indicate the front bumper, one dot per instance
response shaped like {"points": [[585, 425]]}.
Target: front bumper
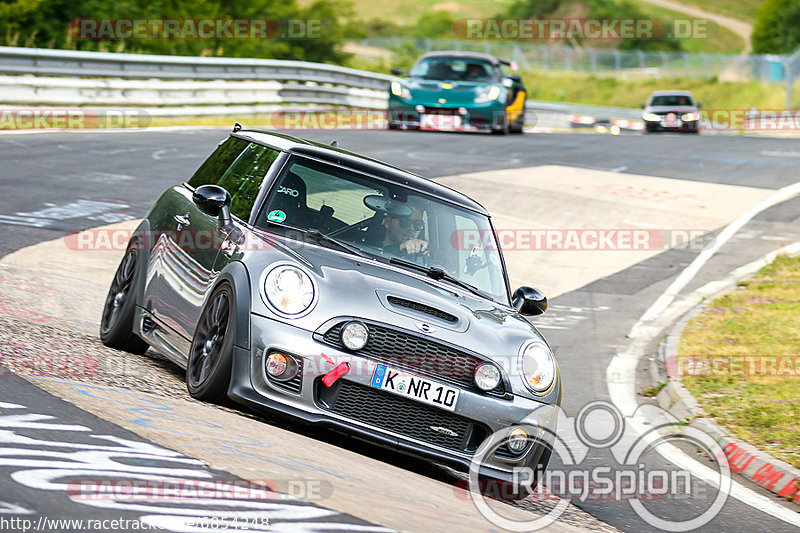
{"points": [[662, 125], [479, 414], [405, 114]]}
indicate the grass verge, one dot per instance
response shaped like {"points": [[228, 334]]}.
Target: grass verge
{"points": [[713, 94], [740, 358]]}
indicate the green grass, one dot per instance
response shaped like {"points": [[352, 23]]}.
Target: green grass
{"points": [[630, 93], [721, 41], [739, 9], [758, 321], [406, 12]]}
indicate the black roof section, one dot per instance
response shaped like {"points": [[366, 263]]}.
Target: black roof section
{"points": [[367, 165], [463, 55]]}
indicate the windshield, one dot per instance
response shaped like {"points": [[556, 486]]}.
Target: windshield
{"points": [[454, 69], [387, 221], [671, 99]]}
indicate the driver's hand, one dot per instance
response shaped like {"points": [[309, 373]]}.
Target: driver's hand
{"points": [[414, 246]]}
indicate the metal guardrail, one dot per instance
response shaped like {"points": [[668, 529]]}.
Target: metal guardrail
{"points": [[42, 62], [179, 85]]}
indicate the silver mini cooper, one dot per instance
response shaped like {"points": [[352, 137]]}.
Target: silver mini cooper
{"points": [[307, 280]]}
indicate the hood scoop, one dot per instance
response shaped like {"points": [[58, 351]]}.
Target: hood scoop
{"points": [[421, 308]]}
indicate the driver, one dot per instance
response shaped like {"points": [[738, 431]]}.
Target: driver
{"points": [[402, 234]]}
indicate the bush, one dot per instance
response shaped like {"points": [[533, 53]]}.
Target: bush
{"points": [[777, 27]]}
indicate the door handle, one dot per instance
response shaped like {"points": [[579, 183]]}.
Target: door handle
{"points": [[183, 220]]}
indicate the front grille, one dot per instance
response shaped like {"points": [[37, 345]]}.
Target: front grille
{"points": [[403, 416], [441, 111], [422, 308], [405, 351]]}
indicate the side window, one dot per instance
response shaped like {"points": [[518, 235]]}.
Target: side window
{"points": [[243, 178], [218, 162]]}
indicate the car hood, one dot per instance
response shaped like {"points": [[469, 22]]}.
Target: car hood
{"points": [[429, 92], [350, 286]]}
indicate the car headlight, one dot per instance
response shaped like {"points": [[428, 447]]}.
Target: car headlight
{"points": [[289, 289], [487, 94], [487, 376], [651, 117], [537, 366], [691, 116], [400, 91]]}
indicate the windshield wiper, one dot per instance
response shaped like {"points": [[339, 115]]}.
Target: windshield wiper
{"points": [[438, 273], [321, 236]]}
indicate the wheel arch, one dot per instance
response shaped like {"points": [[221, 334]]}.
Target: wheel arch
{"points": [[236, 275]]}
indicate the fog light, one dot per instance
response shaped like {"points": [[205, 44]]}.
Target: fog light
{"points": [[355, 335], [487, 376], [276, 364], [517, 440], [462, 110], [281, 366], [420, 109]]}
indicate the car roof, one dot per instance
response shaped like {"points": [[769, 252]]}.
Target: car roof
{"points": [[666, 93], [462, 55], [352, 160]]}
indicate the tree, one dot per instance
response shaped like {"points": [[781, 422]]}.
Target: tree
{"points": [[777, 27]]}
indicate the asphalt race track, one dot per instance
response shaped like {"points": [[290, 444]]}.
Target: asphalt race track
{"points": [[56, 183]]}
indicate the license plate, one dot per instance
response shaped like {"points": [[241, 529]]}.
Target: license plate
{"points": [[672, 123], [440, 122], [414, 387]]}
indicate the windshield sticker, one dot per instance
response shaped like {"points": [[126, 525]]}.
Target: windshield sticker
{"points": [[276, 216], [291, 192]]}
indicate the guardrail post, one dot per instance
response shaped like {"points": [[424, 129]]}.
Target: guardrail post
{"points": [[593, 59], [545, 58], [641, 58], [617, 62]]}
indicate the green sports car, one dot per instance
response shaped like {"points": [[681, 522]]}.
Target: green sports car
{"points": [[457, 91]]}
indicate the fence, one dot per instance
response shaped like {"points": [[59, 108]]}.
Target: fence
{"points": [[601, 62]]}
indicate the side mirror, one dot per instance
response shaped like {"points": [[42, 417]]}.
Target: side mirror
{"points": [[529, 301], [514, 77], [642, 106], [214, 201], [698, 104], [397, 71]]}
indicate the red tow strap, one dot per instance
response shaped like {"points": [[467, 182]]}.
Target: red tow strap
{"points": [[338, 371]]}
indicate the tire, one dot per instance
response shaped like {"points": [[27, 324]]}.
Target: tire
{"points": [[503, 130], [208, 371], [519, 124], [119, 310]]}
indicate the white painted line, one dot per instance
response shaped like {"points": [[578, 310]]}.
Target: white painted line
{"points": [[620, 374], [663, 301]]}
